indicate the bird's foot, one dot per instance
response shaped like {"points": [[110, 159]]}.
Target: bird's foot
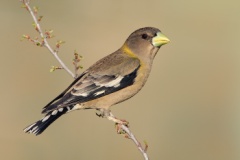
{"points": [[118, 125], [120, 130], [118, 122], [104, 113]]}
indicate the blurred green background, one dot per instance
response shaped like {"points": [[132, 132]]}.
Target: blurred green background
{"points": [[188, 110]]}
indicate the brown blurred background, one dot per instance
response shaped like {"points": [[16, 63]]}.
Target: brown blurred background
{"points": [[188, 110]]}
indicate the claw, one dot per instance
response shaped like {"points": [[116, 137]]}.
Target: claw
{"points": [[121, 131], [124, 122], [99, 114]]}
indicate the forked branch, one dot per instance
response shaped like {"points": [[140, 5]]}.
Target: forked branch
{"points": [[44, 37]]}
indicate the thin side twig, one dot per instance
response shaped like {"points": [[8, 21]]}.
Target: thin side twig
{"points": [[76, 60], [45, 42]]}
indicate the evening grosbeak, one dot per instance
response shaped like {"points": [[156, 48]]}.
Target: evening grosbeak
{"points": [[111, 80]]}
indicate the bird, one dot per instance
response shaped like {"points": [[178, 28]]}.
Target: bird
{"points": [[111, 80]]}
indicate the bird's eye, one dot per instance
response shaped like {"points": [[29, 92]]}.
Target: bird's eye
{"points": [[144, 36]]}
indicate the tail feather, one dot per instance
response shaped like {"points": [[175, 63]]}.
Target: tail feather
{"points": [[39, 126]]}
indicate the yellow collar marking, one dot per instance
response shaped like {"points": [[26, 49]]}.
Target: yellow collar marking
{"points": [[128, 51]]}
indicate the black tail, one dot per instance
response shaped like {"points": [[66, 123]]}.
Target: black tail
{"points": [[39, 126]]}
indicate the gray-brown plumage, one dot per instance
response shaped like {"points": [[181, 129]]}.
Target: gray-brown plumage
{"points": [[111, 80]]}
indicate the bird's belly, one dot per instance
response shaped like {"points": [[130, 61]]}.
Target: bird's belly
{"points": [[119, 96]]}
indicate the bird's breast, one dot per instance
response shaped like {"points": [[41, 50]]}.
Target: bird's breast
{"points": [[123, 94]]}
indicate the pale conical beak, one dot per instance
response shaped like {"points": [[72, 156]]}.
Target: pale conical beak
{"points": [[159, 40]]}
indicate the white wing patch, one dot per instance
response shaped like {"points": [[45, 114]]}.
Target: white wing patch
{"points": [[45, 118], [113, 83], [34, 130], [83, 94], [54, 112], [117, 85], [26, 129], [99, 92], [90, 87], [60, 109]]}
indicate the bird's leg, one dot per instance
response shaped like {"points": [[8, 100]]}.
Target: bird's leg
{"points": [[104, 113], [101, 113]]}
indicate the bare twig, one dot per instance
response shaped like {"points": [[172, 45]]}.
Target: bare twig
{"points": [[45, 42], [131, 136]]}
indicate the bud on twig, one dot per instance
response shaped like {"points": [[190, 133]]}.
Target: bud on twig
{"points": [[40, 18], [76, 60], [54, 68], [49, 34], [35, 10]]}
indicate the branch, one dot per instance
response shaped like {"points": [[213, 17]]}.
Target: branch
{"points": [[130, 135], [123, 129], [44, 37]]}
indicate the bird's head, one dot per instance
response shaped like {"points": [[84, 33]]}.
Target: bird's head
{"points": [[145, 42]]}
